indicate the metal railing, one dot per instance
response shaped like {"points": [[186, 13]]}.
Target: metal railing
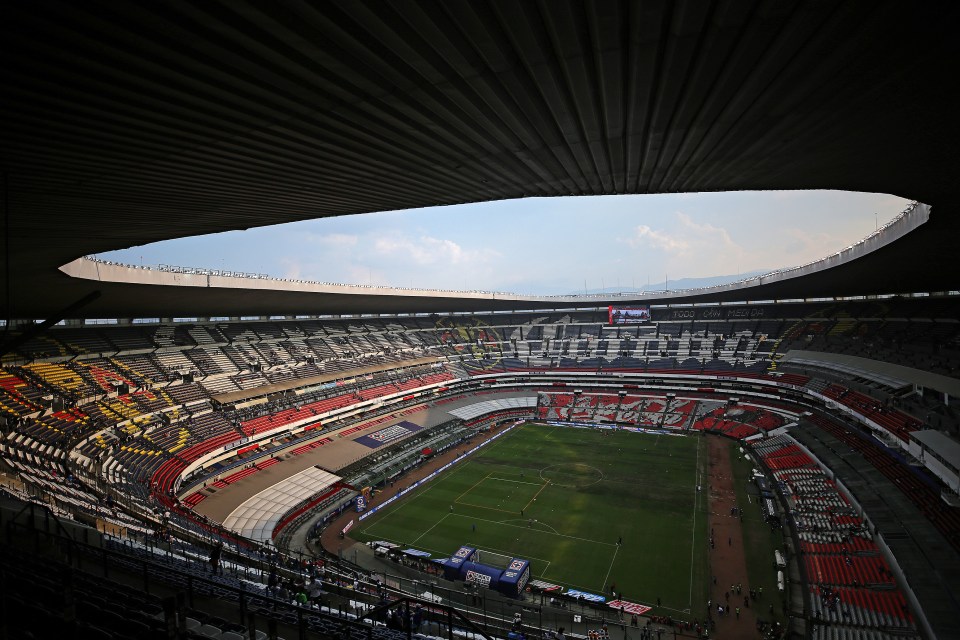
{"points": [[758, 279]]}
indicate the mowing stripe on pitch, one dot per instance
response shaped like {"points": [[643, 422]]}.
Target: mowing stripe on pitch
{"points": [[693, 533]]}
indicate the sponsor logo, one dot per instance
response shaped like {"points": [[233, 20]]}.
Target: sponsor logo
{"points": [[390, 433], [524, 578], [589, 597], [629, 607], [478, 578], [545, 586]]}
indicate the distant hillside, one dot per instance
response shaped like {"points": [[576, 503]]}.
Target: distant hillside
{"points": [[680, 283]]}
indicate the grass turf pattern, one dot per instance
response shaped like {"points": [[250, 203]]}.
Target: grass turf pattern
{"points": [[563, 498]]}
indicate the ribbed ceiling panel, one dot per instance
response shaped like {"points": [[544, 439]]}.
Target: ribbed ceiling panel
{"points": [[126, 123]]}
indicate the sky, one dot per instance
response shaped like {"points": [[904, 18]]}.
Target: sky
{"points": [[546, 246]]}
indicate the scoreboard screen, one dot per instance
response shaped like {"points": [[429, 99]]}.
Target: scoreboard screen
{"points": [[628, 315]]}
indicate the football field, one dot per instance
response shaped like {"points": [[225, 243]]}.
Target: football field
{"points": [[591, 509]]}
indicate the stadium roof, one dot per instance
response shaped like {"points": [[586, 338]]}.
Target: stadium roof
{"points": [[129, 123]]}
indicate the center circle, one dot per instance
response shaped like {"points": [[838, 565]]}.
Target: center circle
{"points": [[575, 475]]}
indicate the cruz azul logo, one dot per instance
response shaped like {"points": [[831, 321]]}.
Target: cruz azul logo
{"points": [[479, 578]]}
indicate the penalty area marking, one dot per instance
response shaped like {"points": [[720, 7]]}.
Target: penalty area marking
{"points": [[534, 498], [552, 530], [480, 506], [509, 480], [458, 500], [430, 529], [477, 484], [500, 552], [506, 523]]}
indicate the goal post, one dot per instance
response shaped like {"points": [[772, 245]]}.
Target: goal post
{"points": [[492, 558]]}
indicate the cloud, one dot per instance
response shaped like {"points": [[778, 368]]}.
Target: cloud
{"points": [[644, 235], [427, 250], [707, 234], [359, 274], [801, 246], [390, 257], [291, 268], [691, 237], [332, 240], [548, 244]]}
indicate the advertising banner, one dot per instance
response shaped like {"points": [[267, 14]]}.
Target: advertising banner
{"points": [[481, 574], [629, 607], [589, 597]]}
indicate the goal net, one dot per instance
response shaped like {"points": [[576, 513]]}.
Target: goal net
{"points": [[493, 558]]}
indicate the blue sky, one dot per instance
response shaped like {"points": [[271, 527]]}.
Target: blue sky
{"points": [[545, 245]]}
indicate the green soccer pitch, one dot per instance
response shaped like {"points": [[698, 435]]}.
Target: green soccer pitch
{"points": [[563, 498]]}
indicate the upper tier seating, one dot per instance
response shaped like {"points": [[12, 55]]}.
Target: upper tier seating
{"points": [[897, 423]]}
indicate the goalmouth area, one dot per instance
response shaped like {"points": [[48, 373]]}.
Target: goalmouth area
{"points": [[591, 509]]}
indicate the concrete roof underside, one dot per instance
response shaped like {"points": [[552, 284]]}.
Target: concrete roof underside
{"points": [[129, 123]]}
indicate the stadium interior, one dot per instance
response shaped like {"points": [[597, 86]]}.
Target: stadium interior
{"points": [[183, 450]]}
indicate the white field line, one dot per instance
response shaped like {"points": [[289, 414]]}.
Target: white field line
{"points": [[515, 526], [406, 501], [536, 484], [476, 484], [609, 569], [500, 552], [430, 529]]}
